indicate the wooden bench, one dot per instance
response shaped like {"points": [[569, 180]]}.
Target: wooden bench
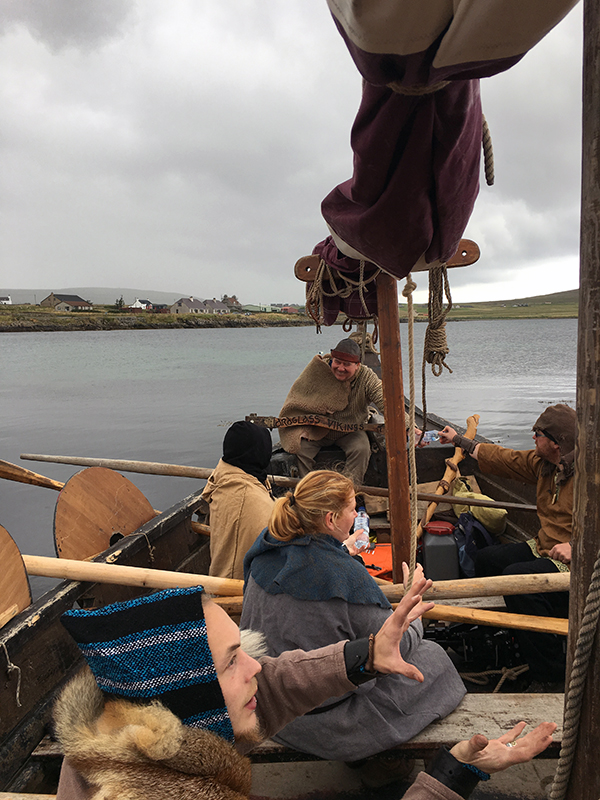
{"points": [[491, 714]]}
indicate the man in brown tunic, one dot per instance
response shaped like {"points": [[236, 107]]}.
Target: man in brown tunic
{"points": [[340, 387], [550, 468]]}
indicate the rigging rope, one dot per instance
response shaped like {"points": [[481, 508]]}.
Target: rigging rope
{"points": [[407, 292], [435, 346], [488, 153], [10, 667], [341, 285], [574, 698]]}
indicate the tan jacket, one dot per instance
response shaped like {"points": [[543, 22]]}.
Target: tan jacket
{"points": [[240, 507], [554, 503]]}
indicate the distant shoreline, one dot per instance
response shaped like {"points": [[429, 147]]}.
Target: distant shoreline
{"points": [[33, 320]]}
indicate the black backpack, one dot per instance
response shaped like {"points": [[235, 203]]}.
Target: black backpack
{"points": [[470, 536]]}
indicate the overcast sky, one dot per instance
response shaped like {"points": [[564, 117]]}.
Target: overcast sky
{"points": [[185, 146]]}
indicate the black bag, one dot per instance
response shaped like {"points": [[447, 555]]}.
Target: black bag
{"points": [[470, 536]]}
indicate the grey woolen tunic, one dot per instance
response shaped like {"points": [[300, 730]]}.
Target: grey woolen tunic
{"points": [[377, 715]]}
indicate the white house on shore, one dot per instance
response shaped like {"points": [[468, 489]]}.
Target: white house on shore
{"points": [[5, 300], [145, 304]]}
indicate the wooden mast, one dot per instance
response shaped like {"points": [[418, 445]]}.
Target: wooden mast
{"points": [[395, 437], [585, 776]]}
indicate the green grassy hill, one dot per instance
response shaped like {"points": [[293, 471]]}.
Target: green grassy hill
{"points": [[550, 306]]}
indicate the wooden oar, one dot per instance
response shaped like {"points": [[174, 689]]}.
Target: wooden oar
{"points": [[14, 472], [475, 616], [487, 587], [203, 473], [450, 473], [498, 619], [99, 572], [231, 591]]}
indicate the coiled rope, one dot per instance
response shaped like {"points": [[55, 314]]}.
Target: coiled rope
{"points": [[583, 650], [506, 673], [435, 346], [341, 285]]}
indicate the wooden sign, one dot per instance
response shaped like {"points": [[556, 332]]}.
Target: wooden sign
{"points": [[317, 420]]}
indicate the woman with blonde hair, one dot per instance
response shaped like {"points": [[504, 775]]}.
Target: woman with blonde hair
{"points": [[303, 590]]}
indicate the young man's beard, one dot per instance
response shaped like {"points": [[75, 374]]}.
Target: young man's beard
{"points": [[254, 736]]}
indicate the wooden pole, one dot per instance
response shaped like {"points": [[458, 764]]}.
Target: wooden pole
{"points": [[177, 470], [393, 393], [584, 783], [100, 572]]}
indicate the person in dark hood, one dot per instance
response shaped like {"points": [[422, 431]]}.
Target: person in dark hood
{"points": [[550, 467], [238, 497]]}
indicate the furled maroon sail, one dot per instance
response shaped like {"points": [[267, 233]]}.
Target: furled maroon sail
{"points": [[417, 135]]}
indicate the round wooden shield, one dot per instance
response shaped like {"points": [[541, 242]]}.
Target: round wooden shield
{"points": [[15, 594], [95, 504]]}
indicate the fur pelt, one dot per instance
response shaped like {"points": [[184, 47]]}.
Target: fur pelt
{"points": [[316, 391], [143, 752]]}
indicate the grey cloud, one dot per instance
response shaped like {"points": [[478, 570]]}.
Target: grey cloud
{"points": [[84, 24]]}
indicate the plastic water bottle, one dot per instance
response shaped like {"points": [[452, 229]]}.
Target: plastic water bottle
{"points": [[431, 436], [362, 523]]}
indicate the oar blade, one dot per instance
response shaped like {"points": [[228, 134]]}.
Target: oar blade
{"points": [[95, 504], [15, 594]]}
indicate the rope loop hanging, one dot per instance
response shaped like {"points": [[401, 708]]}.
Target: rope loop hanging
{"points": [[435, 346], [340, 285]]}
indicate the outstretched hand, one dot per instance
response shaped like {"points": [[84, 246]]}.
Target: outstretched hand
{"points": [[493, 755], [386, 655], [447, 434]]}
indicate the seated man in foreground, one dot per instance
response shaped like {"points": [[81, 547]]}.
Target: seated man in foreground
{"points": [[340, 387], [170, 690], [550, 467]]}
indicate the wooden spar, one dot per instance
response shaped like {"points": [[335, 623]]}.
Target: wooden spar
{"points": [[232, 590], [499, 619], [99, 572], [584, 782], [472, 616], [450, 473], [177, 470], [486, 587], [393, 395]]}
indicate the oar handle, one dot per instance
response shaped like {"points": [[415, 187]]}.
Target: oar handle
{"points": [[99, 572]]}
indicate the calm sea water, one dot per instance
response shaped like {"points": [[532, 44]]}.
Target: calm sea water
{"points": [[169, 395]]}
